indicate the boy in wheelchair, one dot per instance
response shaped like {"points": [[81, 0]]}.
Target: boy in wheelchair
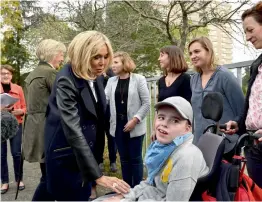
{"points": [[173, 163]]}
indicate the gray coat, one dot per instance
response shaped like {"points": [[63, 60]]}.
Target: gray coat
{"points": [[38, 85], [222, 81], [175, 181], [138, 102]]}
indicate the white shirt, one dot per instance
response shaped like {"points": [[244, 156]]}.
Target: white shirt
{"points": [[52, 66], [91, 84]]}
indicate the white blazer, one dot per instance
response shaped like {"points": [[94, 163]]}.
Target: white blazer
{"points": [[138, 102]]}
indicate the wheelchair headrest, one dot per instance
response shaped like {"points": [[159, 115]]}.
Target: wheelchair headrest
{"points": [[212, 106], [212, 147]]}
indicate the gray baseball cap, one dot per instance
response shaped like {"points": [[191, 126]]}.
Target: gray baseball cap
{"points": [[180, 104]]}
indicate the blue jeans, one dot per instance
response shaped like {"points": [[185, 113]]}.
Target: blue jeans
{"points": [[130, 151], [254, 163], [15, 145]]}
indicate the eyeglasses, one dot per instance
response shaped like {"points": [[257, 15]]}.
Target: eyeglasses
{"points": [[7, 74]]}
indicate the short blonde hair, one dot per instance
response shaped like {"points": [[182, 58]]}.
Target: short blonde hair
{"points": [[208, 46], [126, 60], [48, 49], [83, 48]]}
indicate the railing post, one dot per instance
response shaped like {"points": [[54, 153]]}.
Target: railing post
{"points": [[239, 76]]}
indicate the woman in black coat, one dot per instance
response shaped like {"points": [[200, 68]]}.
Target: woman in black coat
{"points": [[75, 112]]}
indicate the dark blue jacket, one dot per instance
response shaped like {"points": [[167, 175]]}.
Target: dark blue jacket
{"points": [[70, 134]]}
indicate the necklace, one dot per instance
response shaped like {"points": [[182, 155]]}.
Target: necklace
{"points": [[122, 91]]}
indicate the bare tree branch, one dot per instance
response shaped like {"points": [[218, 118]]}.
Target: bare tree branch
{"points": [[184, 30], [168, 24], [190, 6], [82, 17], [143, 15], [200, 7], [228, 33], [220, 20]]}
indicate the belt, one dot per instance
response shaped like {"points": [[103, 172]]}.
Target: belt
{"points": [[121, 116]]}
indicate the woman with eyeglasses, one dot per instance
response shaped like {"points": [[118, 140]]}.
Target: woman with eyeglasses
{"points": [[18, 110]]}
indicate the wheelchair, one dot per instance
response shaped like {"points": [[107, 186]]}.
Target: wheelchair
{"points": [[226, 180]]}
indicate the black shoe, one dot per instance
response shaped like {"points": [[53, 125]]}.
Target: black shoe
{"points": [[3, 191], [91, 199], [101, 167], [20, 188], [113, 167]]}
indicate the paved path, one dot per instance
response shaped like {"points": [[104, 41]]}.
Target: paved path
{"points": [[32, 175]]}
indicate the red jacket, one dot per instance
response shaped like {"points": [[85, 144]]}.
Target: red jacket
{"points": [[17, 92]]}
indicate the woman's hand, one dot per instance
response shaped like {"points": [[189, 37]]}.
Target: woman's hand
{"points": [[232, 128], [17, 112], [131, 124], [259, 132], [117, 185], [114, 198], [153, 136], [8, 108]]}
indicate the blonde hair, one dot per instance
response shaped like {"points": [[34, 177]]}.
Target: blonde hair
{"points": [[126, 60], [207, 45], [83, 48], [48, 49]]}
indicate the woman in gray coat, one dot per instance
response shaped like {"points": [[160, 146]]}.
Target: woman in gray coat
{"points": [[212, 78], [129, 103], [38, 89]]}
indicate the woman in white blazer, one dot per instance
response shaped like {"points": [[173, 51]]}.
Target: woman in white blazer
{"points": [[129, 102]]}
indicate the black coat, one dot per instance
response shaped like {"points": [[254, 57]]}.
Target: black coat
{"points": [[70, 134], [109, 73], [253, 74]]}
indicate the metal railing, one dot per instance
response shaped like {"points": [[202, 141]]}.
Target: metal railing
{"points": [[236, 68]]}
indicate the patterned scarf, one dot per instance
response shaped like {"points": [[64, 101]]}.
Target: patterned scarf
{"points": [[157, 154]]}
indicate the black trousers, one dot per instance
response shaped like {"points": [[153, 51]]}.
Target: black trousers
{"points": [[100, 145], [41, 193]]}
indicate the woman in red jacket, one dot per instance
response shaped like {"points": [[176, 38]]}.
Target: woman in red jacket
{"points": [[18, 110]]}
